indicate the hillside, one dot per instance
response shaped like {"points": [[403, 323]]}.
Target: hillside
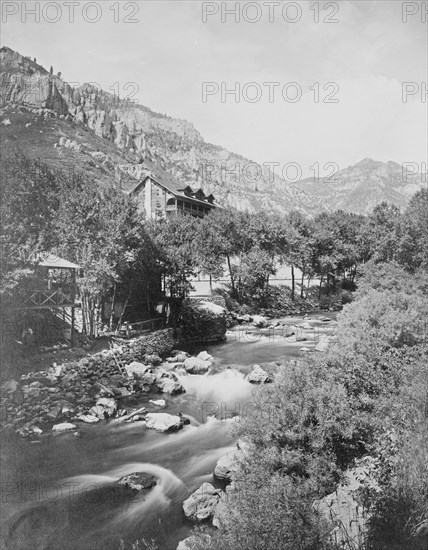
{"points": [[118, 140], [113, 139]]}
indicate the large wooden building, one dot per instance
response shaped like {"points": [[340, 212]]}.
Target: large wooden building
{"points": [[160, 194]]}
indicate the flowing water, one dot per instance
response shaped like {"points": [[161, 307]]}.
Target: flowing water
{"points": [[62, 493]]}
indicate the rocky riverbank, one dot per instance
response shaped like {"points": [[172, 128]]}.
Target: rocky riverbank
{"points": [[60, 397]]}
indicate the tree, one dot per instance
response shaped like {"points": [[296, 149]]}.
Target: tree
{"points": [[413, 243], [176, 255], [96, 228], [29, 203], [301, 248]]}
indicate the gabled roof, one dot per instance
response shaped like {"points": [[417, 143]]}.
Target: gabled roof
{"points": [[171, 184], [46, 259]]}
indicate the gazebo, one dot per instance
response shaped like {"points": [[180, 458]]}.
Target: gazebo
{"points": [[53, 286]]}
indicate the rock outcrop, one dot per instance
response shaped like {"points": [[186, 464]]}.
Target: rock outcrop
{"points": [[201, 504], [259, 376]]}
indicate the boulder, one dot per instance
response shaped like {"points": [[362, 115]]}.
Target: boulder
{"points": [[164, 422], [136, 369], [259, 321], [153, 359], [105, 407], [88, 418], [322, 345], [31, 393], [227, 465], [138, 481], [158, 403], [148, 378], [170, 386], [179, 357], [63, 427], [187, 544], [259, 376], [244, 318], [220, 513], [194, 365], [201, 504], [205, 356]]}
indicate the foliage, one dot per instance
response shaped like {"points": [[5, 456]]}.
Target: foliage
{"points": [[362, 403], [176, 252], [97, 229], [28, 204]]}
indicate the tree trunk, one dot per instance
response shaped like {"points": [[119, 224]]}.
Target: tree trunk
{"points": [[319, 289], [302, 284], [125, 305], [232, 281], [293, 283], [112, 307]]}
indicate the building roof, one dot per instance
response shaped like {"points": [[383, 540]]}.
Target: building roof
{"points": [[171, 184], [46, 259]]}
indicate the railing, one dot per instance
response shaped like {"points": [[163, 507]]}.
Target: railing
{"points": [[47, 298], [134, 328]]}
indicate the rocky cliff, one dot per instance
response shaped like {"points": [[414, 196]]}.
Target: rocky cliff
{"points": [[118, 140], [113, 138]]}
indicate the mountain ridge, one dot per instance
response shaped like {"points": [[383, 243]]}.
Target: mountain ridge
{"points": [[113, 139]]}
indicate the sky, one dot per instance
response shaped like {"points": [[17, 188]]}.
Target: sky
{"points": [[315, 82]]}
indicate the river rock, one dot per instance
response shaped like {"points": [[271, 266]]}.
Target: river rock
{"points": [[105, 407], [194, 365], [138, 481], [305, 326], [170, 386], [322, 345], [164, 422], [179, 357], [259, 321], [148, 378], [88, 418], [63, 427], [187, 544], [220, 512], [161, 403], [201, 504], [153, 359], [244, 318], [259, 376], [227, 465], [136, 369], [205, 356]]}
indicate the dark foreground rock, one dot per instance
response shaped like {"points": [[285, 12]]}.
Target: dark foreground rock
{"points": [[138, 481]]}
